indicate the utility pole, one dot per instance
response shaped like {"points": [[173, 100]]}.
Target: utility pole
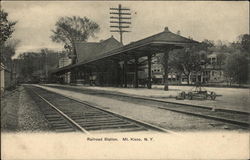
{"points": [[120, 19]]}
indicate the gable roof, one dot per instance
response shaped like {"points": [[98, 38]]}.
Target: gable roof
{"points": [[91, 50], [165, 37]]}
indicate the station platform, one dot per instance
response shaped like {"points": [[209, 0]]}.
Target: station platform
{"points": [[236, 99]]}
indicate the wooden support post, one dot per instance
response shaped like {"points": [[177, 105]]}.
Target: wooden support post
{"points": [[90, 76], [75, 70], [73, 76], [125, 65], [180, 79], [99, 80], [165, 60], [136, 72], [82, 73], [116, 73], [77, 73], [149, 71]]}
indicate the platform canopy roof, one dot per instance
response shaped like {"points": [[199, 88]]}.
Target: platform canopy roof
{"points": [[113, 50]]}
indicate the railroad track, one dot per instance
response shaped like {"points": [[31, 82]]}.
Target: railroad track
{"points": [[65, 114], [241, 119]]}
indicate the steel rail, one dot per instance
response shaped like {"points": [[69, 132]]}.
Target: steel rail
{"points": [[235, 122], [126, 118], [225, 120], [62, 114], [145, 124]]}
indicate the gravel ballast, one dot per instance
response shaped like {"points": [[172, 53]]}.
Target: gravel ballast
{"points": [[30, 117]]}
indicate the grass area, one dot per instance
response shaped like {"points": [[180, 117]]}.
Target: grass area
{"points": [[9, 109]]}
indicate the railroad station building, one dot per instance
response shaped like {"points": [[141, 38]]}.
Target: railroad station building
{"points": [[109, 63]]}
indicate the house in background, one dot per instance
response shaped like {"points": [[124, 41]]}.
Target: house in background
{"points": [[212, 73], [157, 71]]}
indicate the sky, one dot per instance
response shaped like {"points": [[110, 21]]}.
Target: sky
{"points": [[212, 20]]}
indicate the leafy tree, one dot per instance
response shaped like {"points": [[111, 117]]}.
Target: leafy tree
{"points": [[244, 41], [8, 49], [188, 60], [236, 63], [71, 29], [37, 63], [236, 67], [6, 27], [26, 65], [221, 57], [206, 44]]}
